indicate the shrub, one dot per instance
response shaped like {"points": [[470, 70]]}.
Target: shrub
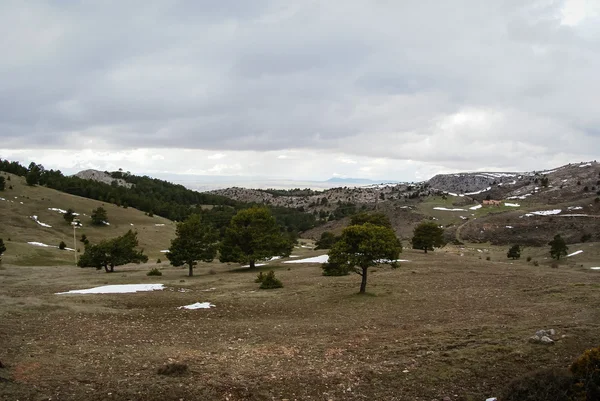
{"points": [[62, 245], [334, 269], [542, 385], [529, 258], [586, 237], [586, 370], [173, 369], [270, 282], [154, 272], [536, 263], [158, 260], [259, 278], [488, 258]]}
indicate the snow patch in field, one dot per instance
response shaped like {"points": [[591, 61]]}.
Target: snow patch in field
{"points": [[595, 268], [274, 258], [106, 223], [449, 210], [575, 215], [117, 289], [198, 305], [256, 265], [164, 251], [294, 256], [159, 225], [316, 259], [391, 261], [575, 208], [509, 227], [475, 207], [35, 218], [478, 192], [543, 213], [585, 165], [518, 197], [512, 204], [55, 209], [575, 253]]}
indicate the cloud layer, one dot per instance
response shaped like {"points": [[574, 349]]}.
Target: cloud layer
{"points": [[385, 87]]}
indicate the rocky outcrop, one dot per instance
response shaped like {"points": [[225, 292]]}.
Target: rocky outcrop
{"points": [[102, 176]]}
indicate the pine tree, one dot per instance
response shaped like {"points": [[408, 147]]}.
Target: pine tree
{"points": [[194, 241], [558, 247], [514, 252]]}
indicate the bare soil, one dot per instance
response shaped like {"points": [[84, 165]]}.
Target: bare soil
{"points": [[440, 325]]}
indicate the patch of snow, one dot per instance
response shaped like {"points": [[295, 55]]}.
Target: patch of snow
{"points": [[209, 289], [391, 261], [117, 289], [274, 258], [478, 192], [595, 268], [164, 251], [198, 305], [574, 253], [518, 197], [565, 180], [21, 203], [512, 204], [449, 210], [316, 259], [463, 218], [543, 213], [55, 209], [306, 246], [35, 218], [475, 207], [159, 225], [294, 256], [575, 208], [256, 265], [130, 224], [106, 223], [509, 227], [585, 165], [41, 244], [492, 399], [451, 194], [575, 215]]}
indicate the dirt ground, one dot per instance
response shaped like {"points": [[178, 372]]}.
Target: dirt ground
{"points": [[440, 325]]}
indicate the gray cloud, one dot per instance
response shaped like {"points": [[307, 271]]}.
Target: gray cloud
{"points": [[450, 84]]}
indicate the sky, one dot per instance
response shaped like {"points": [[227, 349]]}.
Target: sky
{"points": [[300, 89]]}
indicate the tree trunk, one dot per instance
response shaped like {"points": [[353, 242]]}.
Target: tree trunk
{"points": [[112, 268], [363, 283], [425, 249], [252, 264], [106, 268], [191, 270]]}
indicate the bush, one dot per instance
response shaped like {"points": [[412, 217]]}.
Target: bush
{"points": [[334, 269], [158, 260], [270, 282], [536, 263], [154, 272], [586, 370], [586, 237], [259, 278], [488, 258], [543, 385], [173, 369], [529, 258], [62, 245]]}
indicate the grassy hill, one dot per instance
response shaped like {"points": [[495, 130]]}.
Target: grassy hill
{"points": [[18, 228]]}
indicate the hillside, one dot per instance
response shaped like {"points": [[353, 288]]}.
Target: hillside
{"points": [[18, 228]]}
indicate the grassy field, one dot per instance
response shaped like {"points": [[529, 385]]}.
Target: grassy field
{"points": [[440, 325], [23, 201]]}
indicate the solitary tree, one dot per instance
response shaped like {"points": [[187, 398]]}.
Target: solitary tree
{"points": [[514, 252], [2, 183], [113, 252], [2, 248], [62, 245], [34, 173], [252, 235], [69, 215], [194, 242], [363, 246], [427, 235], [378, 219], [99, 216], [558, 247]]}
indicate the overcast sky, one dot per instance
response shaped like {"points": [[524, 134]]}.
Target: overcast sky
{"points": [[300, 89]]}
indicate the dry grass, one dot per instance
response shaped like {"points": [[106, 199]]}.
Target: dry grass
{"points": [[20, 228], [440, 325]]}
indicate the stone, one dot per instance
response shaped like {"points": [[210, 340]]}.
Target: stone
{"points": [[541, 333], [534, 339], [546, 340], [552, 332]]}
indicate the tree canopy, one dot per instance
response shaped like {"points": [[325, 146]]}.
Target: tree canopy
{"points": [[377, 218], [252, 235], [363, 246], [558, 247], [326, 241], [113, 252], [194, 241], [427, 235]]}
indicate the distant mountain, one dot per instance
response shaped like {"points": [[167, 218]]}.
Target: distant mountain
{"points": [[365, 181]]}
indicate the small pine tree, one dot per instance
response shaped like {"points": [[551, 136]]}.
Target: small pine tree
{"points": [[69, 215], [154, 272], [270, 282], [259, 278], [62, 245], [514, 252], [99, 216], [558, 247], [84, 239]]}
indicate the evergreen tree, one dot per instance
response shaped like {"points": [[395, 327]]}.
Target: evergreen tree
{"points": [[558, 247], [514, 252], [427, 235], [252, 235], [194, 242], [326, 241], [99, 216], [69, 215], [378, 219], [113, 252], [363, 246], [2, 183]]}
